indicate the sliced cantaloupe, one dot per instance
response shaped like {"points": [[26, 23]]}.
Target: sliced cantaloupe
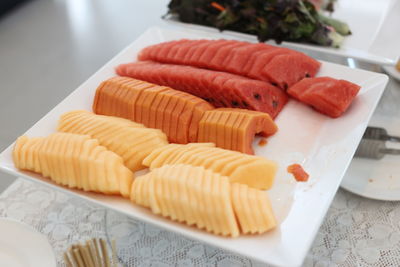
{"points": [[252, 209], [108, 100], [144, 95], [75, 161], [229, 129], [201, 135], [254, 171], [200, 197], [161, 118], [206, 128], [200, 108], [234, 129], [195, 196], [169, 116], [105, 101], [128, 139], [130, 97], [154, 109], [176, 113], [222, 133], [179, 123], [151, 93]]}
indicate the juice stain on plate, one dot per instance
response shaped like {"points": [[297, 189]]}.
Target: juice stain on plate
{"points": [[263, 142]]}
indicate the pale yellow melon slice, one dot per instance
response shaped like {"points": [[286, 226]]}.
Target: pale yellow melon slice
{"points": [[192, 195], [130, 140], [253, 209], [75, 161], [254, 171], [258, 174]]}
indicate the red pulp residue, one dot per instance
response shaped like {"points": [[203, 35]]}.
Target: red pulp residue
{"points": [[298, 172]]}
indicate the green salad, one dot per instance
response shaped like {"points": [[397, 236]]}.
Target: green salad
{"points": [[279, 20]]}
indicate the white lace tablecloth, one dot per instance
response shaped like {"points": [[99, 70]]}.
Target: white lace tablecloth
{"points": [[356, 231]]}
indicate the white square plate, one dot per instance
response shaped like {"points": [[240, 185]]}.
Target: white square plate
{"points": [[375, 31], [324, 146]]}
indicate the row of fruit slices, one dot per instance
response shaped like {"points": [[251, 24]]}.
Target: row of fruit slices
{"points": [[220, 89], [281, 66], [182, 117], [94, 151], [200, 197], [229, 73]]}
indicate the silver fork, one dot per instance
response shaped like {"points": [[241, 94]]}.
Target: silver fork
{"points": [[373, 144], [380, 134]]}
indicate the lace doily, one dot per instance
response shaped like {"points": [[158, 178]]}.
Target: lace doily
{"points": [[356, 231]]}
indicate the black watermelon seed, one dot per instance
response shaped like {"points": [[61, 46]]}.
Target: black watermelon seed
{"points": [[285, 86], [308, 75], [245, 103], [274, 84], [274, 104], [235, 103], [257, 96]]}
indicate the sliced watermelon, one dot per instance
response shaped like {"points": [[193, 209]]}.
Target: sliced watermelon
{"points": [[327, 95], [256, 71], [197, 53], [209, 53], [240, 56], [221, 89], [193, 49], [286, 70], [223, 53], [183, 50], [283, 67]]}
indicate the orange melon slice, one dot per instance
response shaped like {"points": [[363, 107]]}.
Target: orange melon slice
{"points": [[76, 161]]}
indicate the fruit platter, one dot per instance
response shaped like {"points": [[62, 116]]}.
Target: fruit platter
{"points": [[239, 145]]}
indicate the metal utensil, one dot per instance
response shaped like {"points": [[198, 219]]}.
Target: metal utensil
{"points": [[374, 149], [379, 133]]}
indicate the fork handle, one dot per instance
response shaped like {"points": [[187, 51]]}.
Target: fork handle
{"points": [[392, 138], [390, 151]]}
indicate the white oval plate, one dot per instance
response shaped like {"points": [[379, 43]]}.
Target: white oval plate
{"points": [[374, 179], [379, 179], [22, 246]]}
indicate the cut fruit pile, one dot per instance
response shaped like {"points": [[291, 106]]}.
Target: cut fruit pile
{"points": [[194, 182], [229, 73], [256, 172], [200, 197], [75, 161], [197, 193], [130, 140], [179, 115]]}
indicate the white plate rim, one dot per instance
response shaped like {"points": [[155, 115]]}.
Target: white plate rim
{"points": [[377, 195]]}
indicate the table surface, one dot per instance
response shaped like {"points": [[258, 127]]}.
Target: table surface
{"points": [[48, 48]]}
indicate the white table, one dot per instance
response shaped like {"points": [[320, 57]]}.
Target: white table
{"points": [[47, 48], [355, 232]]}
